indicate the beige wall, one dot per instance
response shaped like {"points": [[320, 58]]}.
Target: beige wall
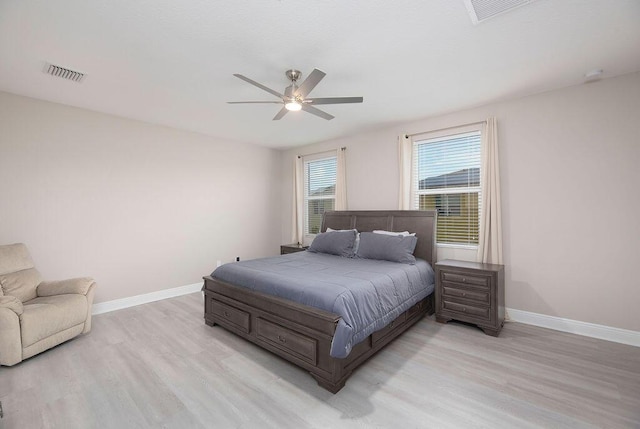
{"points": [[139, 207], [570, 165]]}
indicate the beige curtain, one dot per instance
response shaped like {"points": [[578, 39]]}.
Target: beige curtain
{"points": [[490, 240], [341, 179], [405, 153], [298, 201]]}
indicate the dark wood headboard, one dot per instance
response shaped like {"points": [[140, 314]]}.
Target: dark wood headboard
{"points": [[422, 222]]}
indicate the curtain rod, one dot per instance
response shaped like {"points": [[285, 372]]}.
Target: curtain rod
{"points": [[406, 136], [324, 151]]}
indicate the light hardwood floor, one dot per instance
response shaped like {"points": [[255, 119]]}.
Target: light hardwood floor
{"points": [[159, 365]]}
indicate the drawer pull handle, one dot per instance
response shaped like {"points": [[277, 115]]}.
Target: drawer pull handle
{"points": [[464, 280], [226, 314], [282, 339], [464, 294], [464, 309]]}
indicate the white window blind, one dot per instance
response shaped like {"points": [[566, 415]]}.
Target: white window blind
{"points": [[319, 191], [446, 177]]}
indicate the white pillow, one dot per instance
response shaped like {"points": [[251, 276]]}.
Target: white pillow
{"points": [[403, 233], [357, 242]]}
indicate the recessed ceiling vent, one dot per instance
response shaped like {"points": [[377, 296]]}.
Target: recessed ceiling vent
{"points": [[481, 10], [64, 73]]}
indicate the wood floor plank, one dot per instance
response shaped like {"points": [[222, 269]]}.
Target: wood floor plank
{"points": [[159, 365]]}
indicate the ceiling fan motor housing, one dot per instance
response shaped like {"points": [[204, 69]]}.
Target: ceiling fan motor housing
{"points": [[293, 75], [290, 91]]}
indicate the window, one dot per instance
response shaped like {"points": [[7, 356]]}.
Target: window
{"points": [[446, 178], [319, 191], [448, 204]]}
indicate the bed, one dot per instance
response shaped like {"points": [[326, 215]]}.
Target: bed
{"points": [[303, 334]]}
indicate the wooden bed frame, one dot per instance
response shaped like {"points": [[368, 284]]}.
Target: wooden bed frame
{"points": [[302, 334]]}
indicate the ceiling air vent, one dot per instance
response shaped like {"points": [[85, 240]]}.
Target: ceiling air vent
{"points": [[64, 73], [481, 10]]}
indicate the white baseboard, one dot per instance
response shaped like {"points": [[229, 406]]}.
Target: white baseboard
{"points": [[593, 330], [602, 332], [119, 304]]}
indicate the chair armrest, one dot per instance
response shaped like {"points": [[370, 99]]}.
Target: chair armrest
{"points": [[12, 303], [79, 285], [10, 339]]}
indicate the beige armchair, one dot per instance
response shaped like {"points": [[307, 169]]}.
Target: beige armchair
{"points": [[36, 315]]}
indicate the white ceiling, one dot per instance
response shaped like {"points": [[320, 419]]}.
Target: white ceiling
{"points": [[172, 62]]}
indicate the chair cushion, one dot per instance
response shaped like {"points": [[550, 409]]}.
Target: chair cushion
{"points": [[18, 276], [14, 257], [12, 303], [47, 315], [21, 284]]}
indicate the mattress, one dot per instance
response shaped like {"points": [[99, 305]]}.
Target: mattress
{"points": [[367, 294]]}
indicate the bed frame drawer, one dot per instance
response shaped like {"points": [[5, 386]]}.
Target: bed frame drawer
{"points": [[232, 316], [398, 321], [285, 339]]}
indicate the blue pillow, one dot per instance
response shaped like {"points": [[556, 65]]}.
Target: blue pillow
{"points": [[340, 243], [355, 246], [394, 248]]}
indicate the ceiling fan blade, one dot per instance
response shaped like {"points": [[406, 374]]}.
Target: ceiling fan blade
{"points": [[317, 112], [310, 82], [254, 102], [259, 85], [334, 100], [280, 114]]}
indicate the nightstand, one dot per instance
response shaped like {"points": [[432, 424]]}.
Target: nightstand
{"points": [[471, 292], [292, 248]]}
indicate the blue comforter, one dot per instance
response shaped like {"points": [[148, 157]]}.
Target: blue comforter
{"points": [[367, 294]]}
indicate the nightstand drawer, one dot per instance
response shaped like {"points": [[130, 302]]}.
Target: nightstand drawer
{"points": [[474, 295], [292, 248], [470, 310], [465, 279], [471, 292]]}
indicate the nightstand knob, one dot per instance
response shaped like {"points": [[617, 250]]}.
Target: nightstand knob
{"points": [[282, 339], [464, 294], [226, 314], [464, 309], [464, 280]]}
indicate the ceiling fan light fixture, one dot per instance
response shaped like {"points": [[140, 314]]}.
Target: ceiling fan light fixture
{"points": [[293, 105], [295, 97]]}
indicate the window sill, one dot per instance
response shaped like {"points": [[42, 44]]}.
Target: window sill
{"points": [[457, 246], [460, 252]]}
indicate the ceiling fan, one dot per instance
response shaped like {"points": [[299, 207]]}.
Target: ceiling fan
{"points": [[295, 97]]}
